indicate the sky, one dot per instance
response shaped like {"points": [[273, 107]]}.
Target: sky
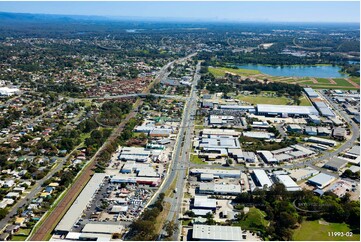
{"points": [[324, 11]]}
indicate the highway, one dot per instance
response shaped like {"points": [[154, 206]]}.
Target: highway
{"points": [[180, 159]]}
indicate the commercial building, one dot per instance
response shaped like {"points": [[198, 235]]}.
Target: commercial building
{"points": [[310, 130], [79, 205], [339, 133], [219, 142], [217, 233], [267, 156], [353, 153], [219, 189], [285, 110], [323, 131], [310, 92], [262, 178], [321, 141], [335, 164], [134, 153], [321, 180], [259, 135], [295, 128], [217, 173], [302, 174], [260, 125], [240, 108], [102, 228], [289, 184], [314, 119], [203, 202], [152, 181], [220, 132], [340, 188], [220, 119], [324, 109]]}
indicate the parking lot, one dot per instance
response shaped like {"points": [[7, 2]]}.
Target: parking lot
{"points": [[128, 200]]}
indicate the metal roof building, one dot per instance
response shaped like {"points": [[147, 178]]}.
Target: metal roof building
{"points": [[79, 205], [324, 109], [310, 92], [258, 135], [304, 173], [321, 180], [262, 178], [321, 141], [223, 189], [219, 173], [288, 182], [335, 164], [205, 202], [102, 228], [219, 233], [269, 109]]}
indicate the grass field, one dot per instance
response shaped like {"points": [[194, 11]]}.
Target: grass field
{"points": [[260, 99], [313, 230], [323, 80], [254, 220], [21, 235], [305, 101], [196, 160], [269, 99], [355, 79], [220, 71]]}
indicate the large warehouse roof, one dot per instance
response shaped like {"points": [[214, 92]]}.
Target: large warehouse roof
{"points": [[214, 232], [322, 180], [288, 182], [102, 228], [204, 202], [262, 178], [76, 210], [288, 109]]}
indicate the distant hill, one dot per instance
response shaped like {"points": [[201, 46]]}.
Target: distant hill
{"points": [[29, 17]]}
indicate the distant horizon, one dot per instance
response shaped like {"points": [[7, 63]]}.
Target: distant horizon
{"points": [[231, 12]]}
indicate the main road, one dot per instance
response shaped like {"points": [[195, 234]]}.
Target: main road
{"points": [[180, 162]]}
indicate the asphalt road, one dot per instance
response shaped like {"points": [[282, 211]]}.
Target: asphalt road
{"points": [[181, 157]]}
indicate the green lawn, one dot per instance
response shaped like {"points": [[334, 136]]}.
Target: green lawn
{"points": [[314, 231], [196, 160], [342, 82], [18, 238], [355, 79], [323, 80], [254, 220], [304, 101], [266, 99], [220, 71]]}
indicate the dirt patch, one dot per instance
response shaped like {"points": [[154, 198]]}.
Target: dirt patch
{"points": [[323, 222]]}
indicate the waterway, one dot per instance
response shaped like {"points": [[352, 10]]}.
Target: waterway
{"points": [[324, 71]]}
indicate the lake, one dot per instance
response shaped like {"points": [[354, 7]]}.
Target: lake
{"points": [[297, 71]]}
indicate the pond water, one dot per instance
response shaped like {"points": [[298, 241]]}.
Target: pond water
{"points": [[297, 71]]}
